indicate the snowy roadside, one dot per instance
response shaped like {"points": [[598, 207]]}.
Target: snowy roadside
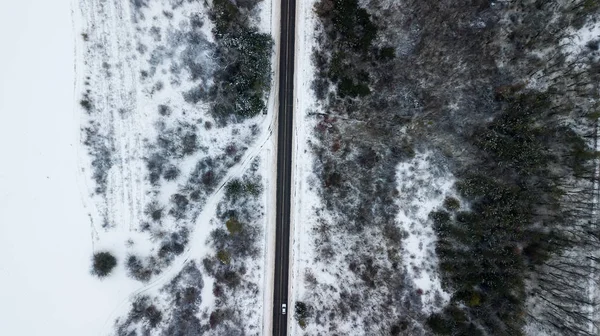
{"points": [[304, 200], [270, 12]]}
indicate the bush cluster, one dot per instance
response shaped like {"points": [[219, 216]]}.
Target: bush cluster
{"points": [[243, 77]]}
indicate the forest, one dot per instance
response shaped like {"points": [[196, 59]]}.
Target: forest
{"points": [[506, 95]]}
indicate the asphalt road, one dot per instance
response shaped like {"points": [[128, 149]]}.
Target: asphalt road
{"points": [[284, 167]]}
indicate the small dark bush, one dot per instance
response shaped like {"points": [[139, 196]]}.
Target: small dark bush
{"points": [[170, 248], [103, 263], [234, 188], [231, 279], [451, 204], [224, 257], [143, 309], [300, 310], [164, 110], [86, 104], [189, 144], [233, 226], [157, 214], [171, 173], [180, 205], [237, 188]]}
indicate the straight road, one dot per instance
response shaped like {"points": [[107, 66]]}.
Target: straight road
{"points": [[284, 167]]}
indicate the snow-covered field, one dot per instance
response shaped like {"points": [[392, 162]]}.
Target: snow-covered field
{"points": [[45, 246]]}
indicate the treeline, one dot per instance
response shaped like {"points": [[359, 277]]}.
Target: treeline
{"points": [[525, 251], [243, 78], [518, 217]]}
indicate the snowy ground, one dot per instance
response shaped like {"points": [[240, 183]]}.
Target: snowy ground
{"points": [[423, 186], [304, 199], [120, 66], [45, 245]]}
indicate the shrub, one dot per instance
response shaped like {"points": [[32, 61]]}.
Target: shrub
{"points": [[180, 205], [137, 270], [164, 110], [234, 188], [157, 214], [143, 309], [300, 311], [171, 173], [439, 325], [189, 143], [86, 104], [233, 226], [103, 264], [302, 323], [224, 257], [237, 188], [451, 204]]}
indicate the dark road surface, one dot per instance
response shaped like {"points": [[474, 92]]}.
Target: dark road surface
{"points": [[284, 167]]}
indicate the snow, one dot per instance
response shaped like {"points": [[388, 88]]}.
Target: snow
{"points": [[45, 244], [270, 12], [576, 42], [304, 199], [422, 187]]}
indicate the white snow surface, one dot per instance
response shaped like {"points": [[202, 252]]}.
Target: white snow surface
{"points": [[422, 187], [576, 42], [45, 245], [304, 199]]}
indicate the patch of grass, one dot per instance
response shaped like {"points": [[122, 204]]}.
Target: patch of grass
{"points": [[302, 323]]}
